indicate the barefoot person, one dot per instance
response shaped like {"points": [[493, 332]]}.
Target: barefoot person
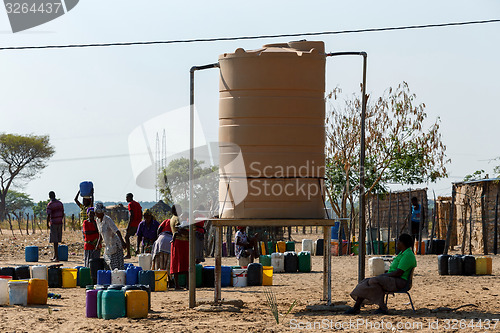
{"points": [[244, 247], [179, 261], [373, 289], [147, 232], [92, 246], [135, 217], [55, 215], [161, 248], [113, 252]]}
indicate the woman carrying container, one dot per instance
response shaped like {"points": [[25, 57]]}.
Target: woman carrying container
{"points": [[113, 252], [161, 247], [92, 245], [147, 232], [374, 289], [179, 263]]}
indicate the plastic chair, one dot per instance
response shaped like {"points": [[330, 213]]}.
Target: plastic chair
{"points": [[404, 290]]}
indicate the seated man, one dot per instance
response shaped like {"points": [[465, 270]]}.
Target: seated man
{"points": [[373, 289], [244, 247]]}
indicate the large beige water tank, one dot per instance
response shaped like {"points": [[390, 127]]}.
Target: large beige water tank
{"points": [[272, 131]]}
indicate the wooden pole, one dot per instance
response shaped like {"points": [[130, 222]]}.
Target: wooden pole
{"points": [[19, 224], [470, 230], [429, 249], [434, 214], [464, 231], [409, 216], [421, 223], [450, 224], [10, 224], [370, 235], [483, 220], [495, 233], [33, 223], [378, 227], [27, 223], [397, 217]]}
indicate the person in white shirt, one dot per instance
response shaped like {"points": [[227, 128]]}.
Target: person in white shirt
{"points": [[113, 252]]}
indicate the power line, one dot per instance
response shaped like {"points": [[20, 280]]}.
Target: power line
{"points": [[220, 39]]}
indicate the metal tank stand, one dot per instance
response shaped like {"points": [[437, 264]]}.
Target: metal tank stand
{"points": [[327, 256]]}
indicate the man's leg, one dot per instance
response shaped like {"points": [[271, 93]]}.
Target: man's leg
{"points": [[56, 252], [127, 243]]}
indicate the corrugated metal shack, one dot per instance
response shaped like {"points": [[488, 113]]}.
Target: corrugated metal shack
{"points": [[477, 215], [392, 211]]}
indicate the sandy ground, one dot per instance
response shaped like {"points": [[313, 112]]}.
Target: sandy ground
{"points": [[171, 313]]}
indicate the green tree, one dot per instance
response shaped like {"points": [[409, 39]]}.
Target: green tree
{"points": [[399, 149], [40, 208], [173, 183], [22, 157], [17, 201]]}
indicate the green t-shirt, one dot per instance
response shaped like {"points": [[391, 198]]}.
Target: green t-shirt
{"points": [[404, 261]]}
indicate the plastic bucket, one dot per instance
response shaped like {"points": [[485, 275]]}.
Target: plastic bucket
{"points": [[18, 292], [145, 261], [483, 266], [265, 260], [376, 266], [84, 277], [137, 303], [113, 304], [103, 277], [225, 276], [118, 276], [37, 291], [91, 303], [69, 277], [39, 272], [86, 189], [22, 272], [8, 271], [278, 262], [208, 276], [281, 247], [62, 251], [147, 278], [31, 253], [307, 245], [4, 289], [132, 275], [199, 275], [267, 275], [161, 280], [240, 277]]}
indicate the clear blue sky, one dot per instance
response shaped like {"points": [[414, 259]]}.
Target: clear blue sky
{"points": [[90, 100]]}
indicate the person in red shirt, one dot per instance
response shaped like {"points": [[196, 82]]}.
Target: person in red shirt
{"points": [[135, 213], [162, 247], [91, 237]]}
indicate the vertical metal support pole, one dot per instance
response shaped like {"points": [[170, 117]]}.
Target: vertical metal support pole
{"points": [[192, 242], [327, 265], [192, 261], [218, 263], [362, 225]]}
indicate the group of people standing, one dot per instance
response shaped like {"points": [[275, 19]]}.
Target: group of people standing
{"points": [[167, 242]]}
